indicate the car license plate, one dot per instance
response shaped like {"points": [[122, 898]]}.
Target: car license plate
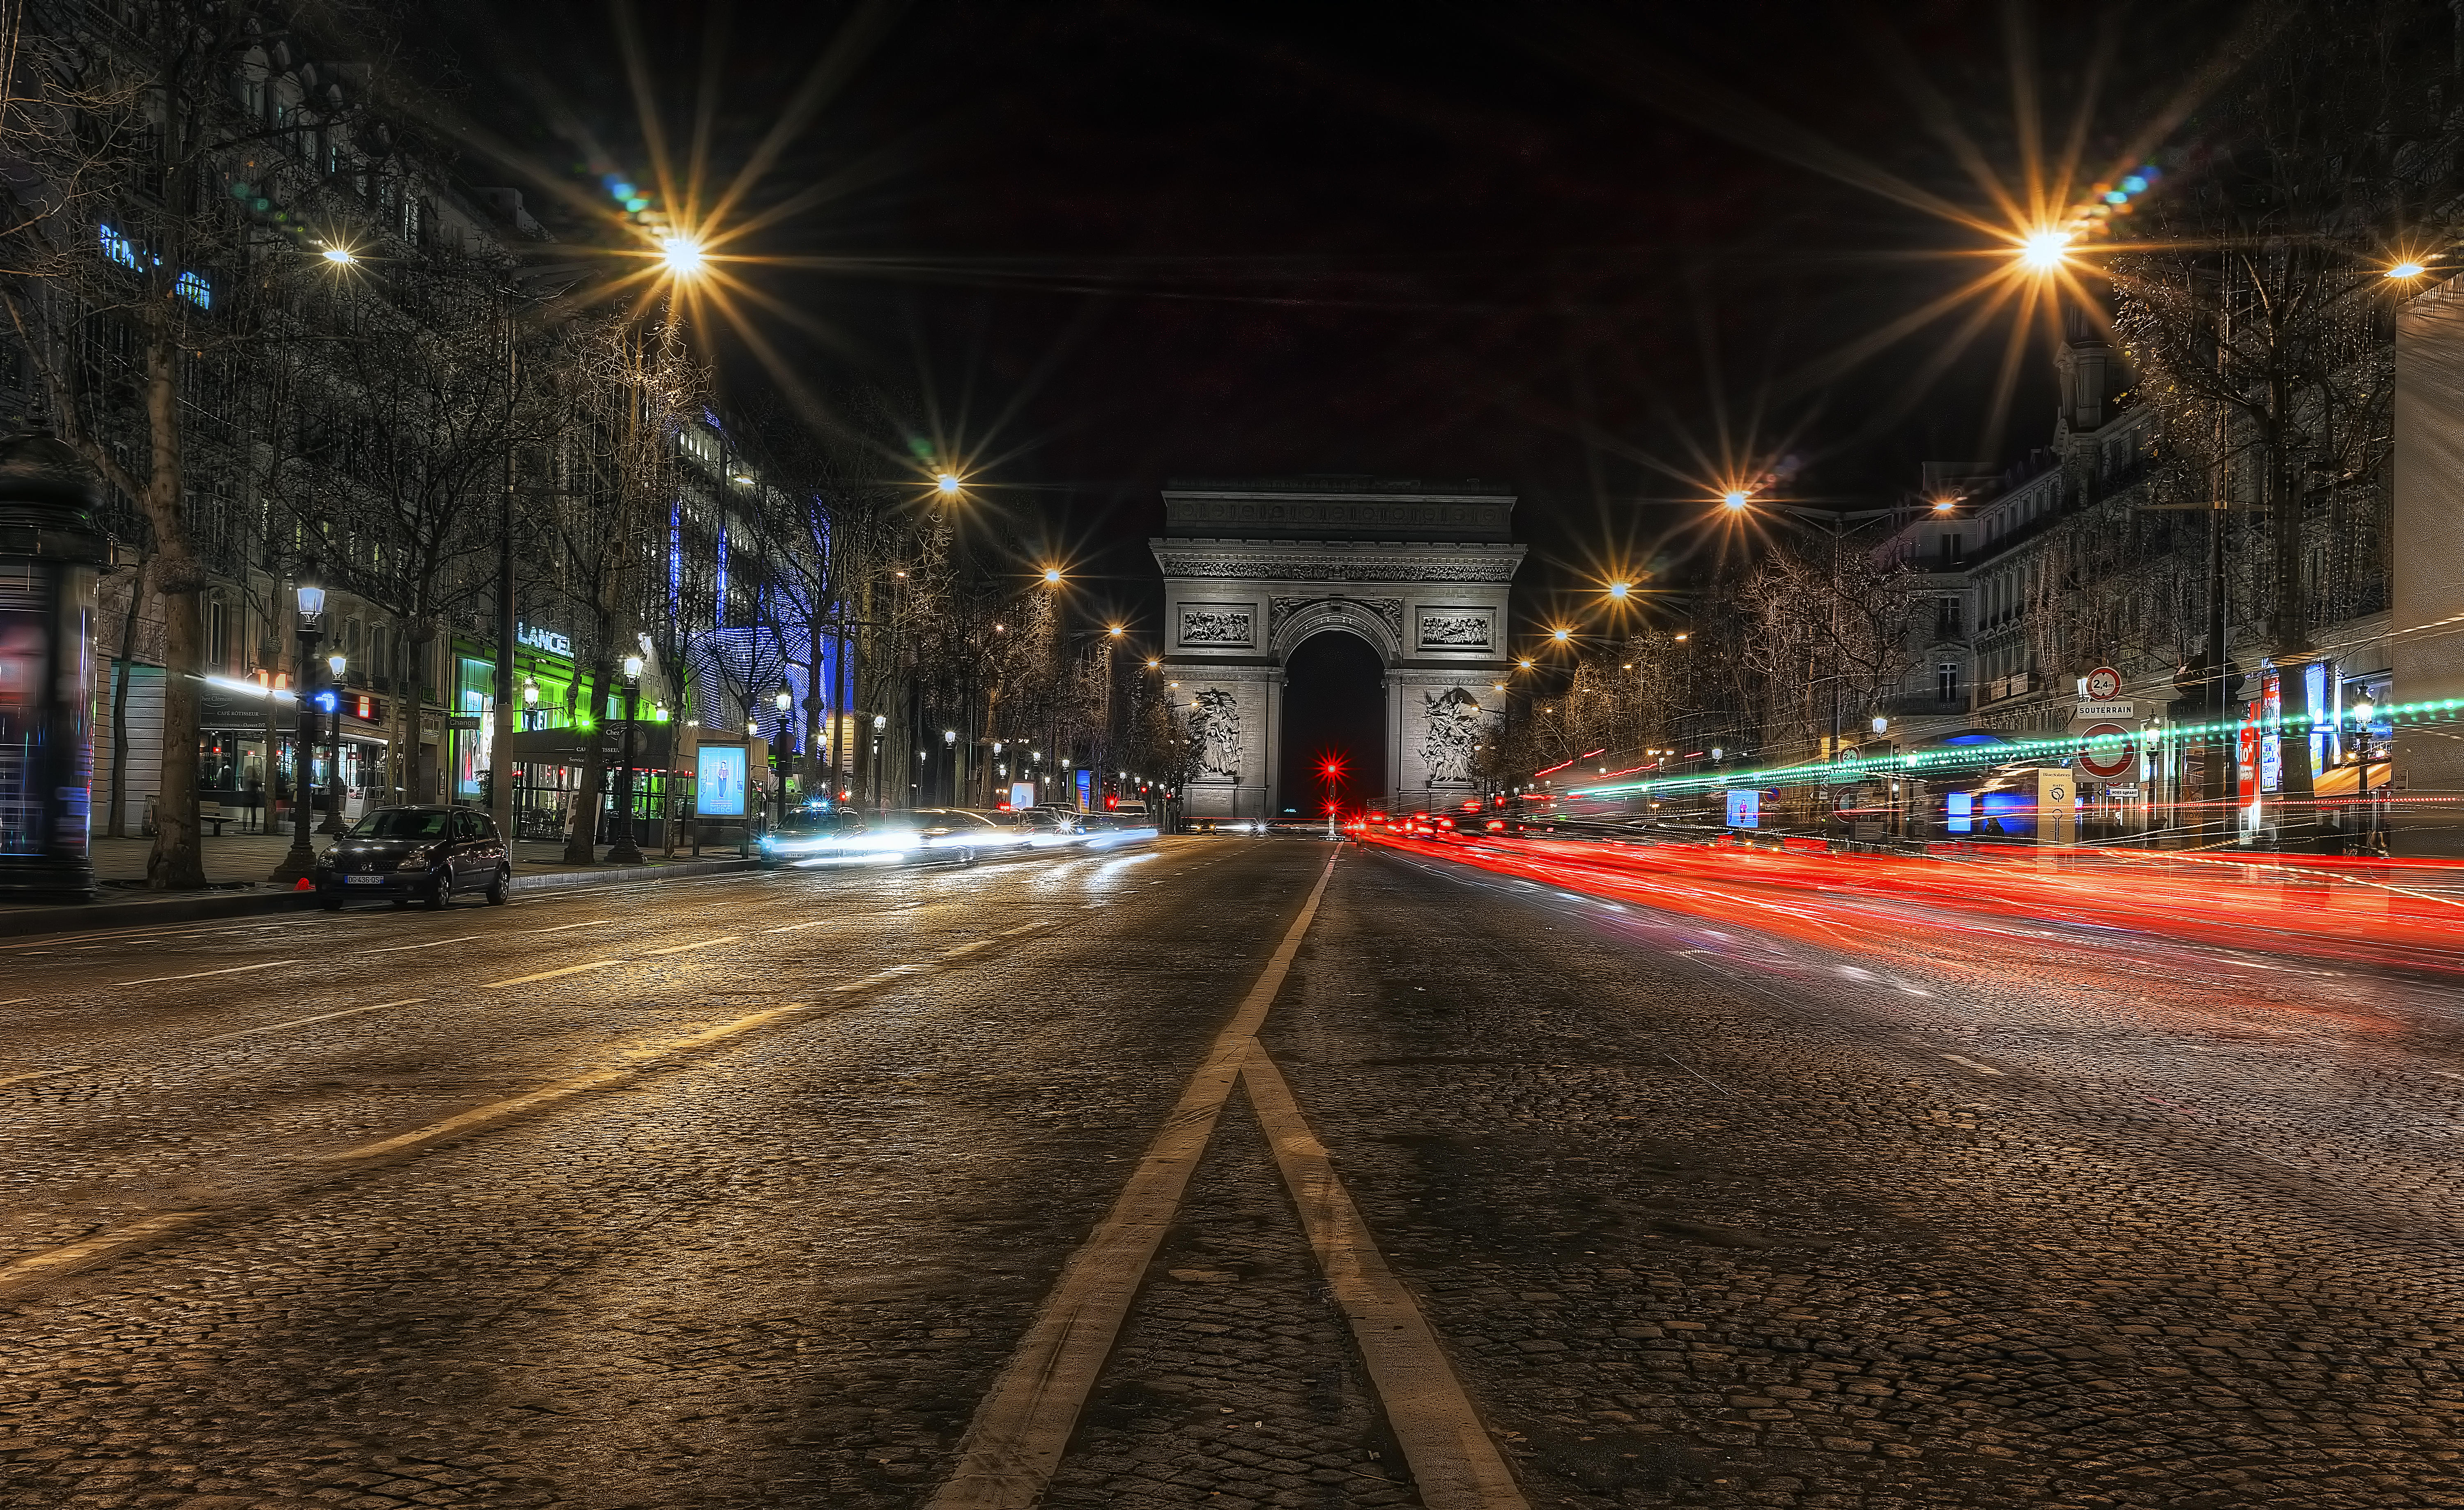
{"points": [[363, 881]]}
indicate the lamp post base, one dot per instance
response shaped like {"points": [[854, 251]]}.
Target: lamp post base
{"points": [[297, 865]]}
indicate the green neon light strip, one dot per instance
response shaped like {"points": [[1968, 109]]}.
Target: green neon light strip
{"points": [[1856, 768]]}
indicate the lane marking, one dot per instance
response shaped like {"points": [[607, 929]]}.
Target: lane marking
{"points": [[1014, 1442], [1962, 1059], [678, 949], [302, 1022], [15, 1001], [1023, 928], [819, 922], [561, 927], [966, 949], [1455, 1465], [434, 943], [236, 970], [43, 1073], [549, 974], [37, 1268]]}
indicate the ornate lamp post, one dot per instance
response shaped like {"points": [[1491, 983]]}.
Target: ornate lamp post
{"points": [[310, 602], [332, 706], [49, 549], [625, 851], [784, 700]]}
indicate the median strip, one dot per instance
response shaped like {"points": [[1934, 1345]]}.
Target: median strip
{"points": [[1014, 1445]]}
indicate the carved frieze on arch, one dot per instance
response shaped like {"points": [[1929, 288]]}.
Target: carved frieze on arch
{"points": [[1379, 620]]}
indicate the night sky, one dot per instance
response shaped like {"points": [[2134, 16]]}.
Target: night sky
{"points": [[1597, 253]]}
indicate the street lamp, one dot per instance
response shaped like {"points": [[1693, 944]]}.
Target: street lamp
{"points": [[625, 851], [309, 599], [529, 703], [1052, 577], [1735, 499], [337, 664], [784, 700], [947, 484], [681, 256], [340, 257], [949, 761], [2044, 251]]}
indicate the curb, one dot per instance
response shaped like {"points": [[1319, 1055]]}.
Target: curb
{"points": [[102, 916]]}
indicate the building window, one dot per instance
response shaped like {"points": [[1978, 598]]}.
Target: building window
{"points": [[1946, 618], [1945, 681], [195, 290]]}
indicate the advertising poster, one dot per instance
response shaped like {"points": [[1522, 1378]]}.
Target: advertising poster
{"points": [[1021, 794], [1746, 809], [720, 780]]}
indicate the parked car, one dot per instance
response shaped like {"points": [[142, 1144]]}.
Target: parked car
{"points": [[423, 853]]}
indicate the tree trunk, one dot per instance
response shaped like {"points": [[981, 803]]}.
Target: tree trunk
{"points": [[176, 861], [580, 846], [118, 826]]}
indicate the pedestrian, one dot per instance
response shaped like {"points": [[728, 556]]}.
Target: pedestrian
{"points": [[251, 799]]}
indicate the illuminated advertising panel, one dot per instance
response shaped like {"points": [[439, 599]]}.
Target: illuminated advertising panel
{"points": [[720, 780], [1746, 809]]}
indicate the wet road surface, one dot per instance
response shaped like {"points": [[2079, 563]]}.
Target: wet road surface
{"points": [[766, 1191]]}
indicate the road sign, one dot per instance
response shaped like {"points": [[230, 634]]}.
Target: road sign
{"points": [[463, 721], [2100, 712], [2103, 685], [2103, 760]]}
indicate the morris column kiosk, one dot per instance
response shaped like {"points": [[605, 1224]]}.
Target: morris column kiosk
{"points": [[50, 548]]}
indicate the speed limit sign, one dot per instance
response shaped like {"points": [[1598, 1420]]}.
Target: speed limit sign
{"points": [[2103, 759], [2103, 685]]}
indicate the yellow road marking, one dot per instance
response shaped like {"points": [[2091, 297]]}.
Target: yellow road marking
{"points": [[1015, 1440], [1454, 1464], [38, 1267], [236, 970], [966, 949], [327, 1016], [550, 975], [434, 943], [678, 949], [40, 1074]]}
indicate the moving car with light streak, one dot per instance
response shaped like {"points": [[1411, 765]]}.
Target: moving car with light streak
{"points": [[916, 837]]}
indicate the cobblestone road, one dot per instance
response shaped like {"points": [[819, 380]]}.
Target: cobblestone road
{"points": [[743, 1193]]}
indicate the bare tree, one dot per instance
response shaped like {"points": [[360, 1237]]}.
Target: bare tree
{"points": [[124, 252]]}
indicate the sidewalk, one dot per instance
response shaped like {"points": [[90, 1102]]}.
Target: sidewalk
{"points": [[238, 865]]}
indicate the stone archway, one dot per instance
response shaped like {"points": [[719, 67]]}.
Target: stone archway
{"points": [[1252, 569]]}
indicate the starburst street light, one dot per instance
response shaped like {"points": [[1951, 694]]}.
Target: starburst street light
{"points": [[2407, 269], [340, 257], [2044, 251], [1052, 577], [1561, 636], [947, 483], [1620, 589], [681, 256], [1735, 500]]}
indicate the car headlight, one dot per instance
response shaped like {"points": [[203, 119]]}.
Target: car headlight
{"points": [[416, 859]]}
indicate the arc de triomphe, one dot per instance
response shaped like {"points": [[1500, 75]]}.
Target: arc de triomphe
{"points": [[1252, 568]]}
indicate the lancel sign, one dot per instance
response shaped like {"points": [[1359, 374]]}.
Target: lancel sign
{"points": [[538, 639]]}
